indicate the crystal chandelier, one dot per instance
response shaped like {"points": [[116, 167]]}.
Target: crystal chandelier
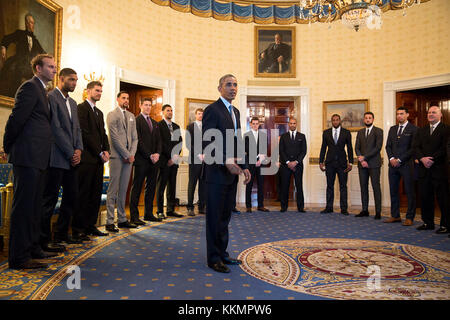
{"points": [[355, 14]]}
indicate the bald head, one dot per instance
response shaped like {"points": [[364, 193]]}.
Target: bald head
{"points": [[434, 114]]}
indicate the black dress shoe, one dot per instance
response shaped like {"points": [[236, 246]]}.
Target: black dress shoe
{"points": [[283, 209], [301, 210], [174, 214], [111, 228], [377, 216], [425, 227], [442, 230], [138, 222], [327, 210], [344, 212], [30, 264], [219, 267], [191, 213], [161, 215], [263, 209], [153, 218], [363, 214], [44, 255], [68, 240], [53, 247], [95, 232], [80, 236], [126, 224], [232, 261]]}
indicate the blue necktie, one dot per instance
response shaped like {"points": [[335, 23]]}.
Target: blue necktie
{"points": [[230, 108]]}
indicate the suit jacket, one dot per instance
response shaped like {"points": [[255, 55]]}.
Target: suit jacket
{"points": [[166, 141], [66, 130], [148, 142], [435, 145], [216, 116], [336, 152], [95, 140], [401, 146], [292, 150], [369, 148], [194, 150], [28, 135], [252, 144], [122, 136], [271, 54]]}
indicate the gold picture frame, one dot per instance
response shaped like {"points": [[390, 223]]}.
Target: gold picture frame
{"points": [[47, 16], [351, 112], [267, 48], [190, 105]]}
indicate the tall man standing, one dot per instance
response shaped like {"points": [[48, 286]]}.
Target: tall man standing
{"points": [[123, 142], [337, 161], [369, 141], [145, 164], [64, 160], [90, 172], [430, 149], [292, 153], [194, 145], [27, 141], [221, 173], [253, 139], [168, 164], [400, 153]]}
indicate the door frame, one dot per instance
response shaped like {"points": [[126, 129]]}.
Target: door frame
{"points": [[389, 107], [301, 97]]}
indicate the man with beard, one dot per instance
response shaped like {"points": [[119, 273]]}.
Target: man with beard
{"points": [[369, 141]]}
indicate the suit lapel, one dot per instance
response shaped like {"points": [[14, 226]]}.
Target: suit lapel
{"points": [[42, 95]]}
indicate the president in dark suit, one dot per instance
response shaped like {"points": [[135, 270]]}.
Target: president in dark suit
{"points": [[369, 141], [430, 149], [253, 139], [168, 164], [221, 171], [90, 172], [276, 57], [146, 163], [337, 161], [27, 141], [292, 152], [194, 145], [400, 152], [64, 160]]}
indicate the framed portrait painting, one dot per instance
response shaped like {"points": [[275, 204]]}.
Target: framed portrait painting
{"points": [[275, 52], [190, 105], [27, 28], [351, 112]]}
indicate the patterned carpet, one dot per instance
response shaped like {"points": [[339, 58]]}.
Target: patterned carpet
{"points": [[286, 256]]}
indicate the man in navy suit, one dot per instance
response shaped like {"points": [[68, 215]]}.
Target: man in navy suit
{"points": [[64, 160], [292, 152], [400, 153], [430, 149], [221, 171], [337, 161], [27, 141]]}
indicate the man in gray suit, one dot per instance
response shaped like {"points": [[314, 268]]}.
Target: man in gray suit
{"points": [[369, 141], [123, 141], [64, 159]]}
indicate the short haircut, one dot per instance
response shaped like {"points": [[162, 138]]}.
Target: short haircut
{"points": [[198, 110], [369, 112], [292, 118], [66, 72], [146, 99], [39, 60], [222, 79], [122, 92], [92, 84], [254, 119], [166, 106], [335, 115], [403, 108]]}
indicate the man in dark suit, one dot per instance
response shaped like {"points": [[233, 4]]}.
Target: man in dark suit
{"points": [[194, 145], [400, 153], [337, 161], [221, 171], [430, 149], [168, 167], [65, 157], [292, 152], [90, 172], [17, 68], [253, 139], [369, 141], [145, 164], [27, 141], [276, 57]]}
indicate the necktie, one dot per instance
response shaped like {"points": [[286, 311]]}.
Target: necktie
{"points": [[170, 128], [292, 136], [367, 133], [335, 136], [431, 129], [149, 122], [230, 108], [400, 130], [125, 119]]}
